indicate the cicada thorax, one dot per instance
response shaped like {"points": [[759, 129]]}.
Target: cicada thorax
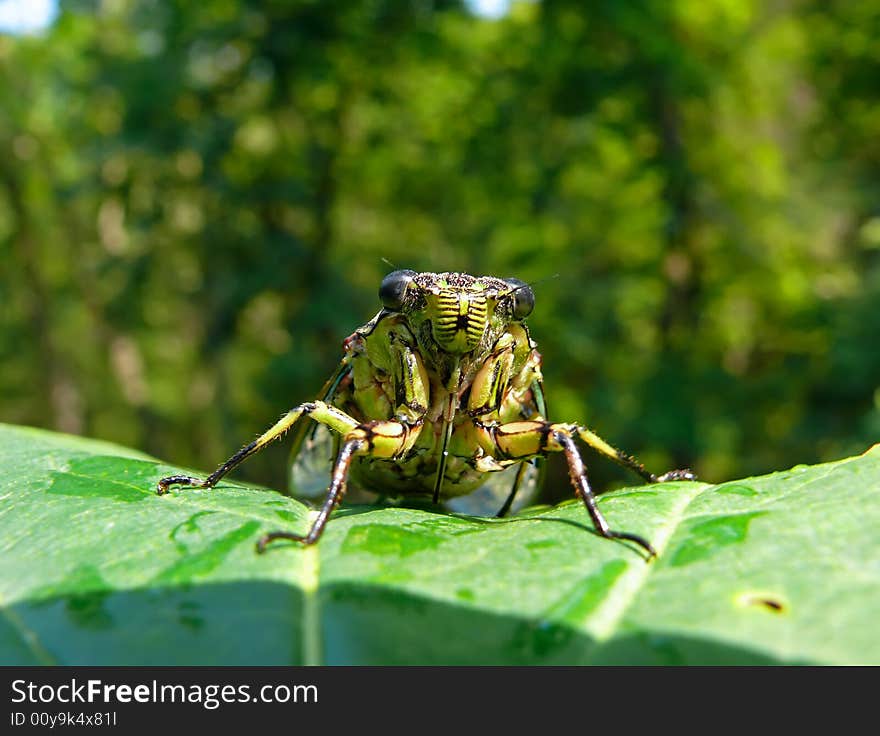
{"points": [[392, 377]]}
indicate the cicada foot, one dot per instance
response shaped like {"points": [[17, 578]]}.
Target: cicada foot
{"points": [[266, 539], [177, 480], [684, 474], [354, 445], [643, 543]]}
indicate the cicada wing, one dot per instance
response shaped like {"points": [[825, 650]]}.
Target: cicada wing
{"points": [[311, 464], [492, 496], [540, 462], [315, 447], [539, 398]]}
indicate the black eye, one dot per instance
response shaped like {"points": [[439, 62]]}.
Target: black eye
{"points": [[523, 298], [394, 287]]}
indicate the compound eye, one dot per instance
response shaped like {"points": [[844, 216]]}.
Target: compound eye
{"points": [[393, 288], [523, 298]]}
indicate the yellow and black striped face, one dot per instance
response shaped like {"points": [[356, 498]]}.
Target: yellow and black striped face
{"points": [[458, 317], [461, 309]]}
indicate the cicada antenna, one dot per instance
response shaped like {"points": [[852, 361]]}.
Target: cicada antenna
{"points": [[541, 281], [530, 284]]}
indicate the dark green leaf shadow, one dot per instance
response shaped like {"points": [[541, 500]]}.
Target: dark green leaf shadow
{"points": [[362, 624]]}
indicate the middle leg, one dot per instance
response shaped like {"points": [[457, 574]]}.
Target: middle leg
{"points": [[527, 439]]}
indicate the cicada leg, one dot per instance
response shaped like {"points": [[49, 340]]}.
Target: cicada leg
{"points": [[578, 475], [317, 410], [628, 461], [530, 438], [521, 473], [338, 482], [379, 439]]}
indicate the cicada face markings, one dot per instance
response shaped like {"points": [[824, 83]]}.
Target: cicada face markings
{"points": [[458, 320]]}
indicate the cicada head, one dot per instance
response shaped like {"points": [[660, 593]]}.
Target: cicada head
{"points": [[460, 313]]}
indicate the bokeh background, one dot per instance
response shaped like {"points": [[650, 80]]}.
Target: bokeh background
{"points": [[196, 199]]}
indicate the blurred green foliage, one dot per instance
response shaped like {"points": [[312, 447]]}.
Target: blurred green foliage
{"points": [[196, 198]]}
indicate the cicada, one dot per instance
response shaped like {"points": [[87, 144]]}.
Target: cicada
{"points": [[442, 387]]}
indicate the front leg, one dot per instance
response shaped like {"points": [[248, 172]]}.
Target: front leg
{"points": [[578, 474], [387, 439], [318, 410], [375, 439]]}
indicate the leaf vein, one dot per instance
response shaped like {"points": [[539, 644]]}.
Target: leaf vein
{"points": [[28, 637]]}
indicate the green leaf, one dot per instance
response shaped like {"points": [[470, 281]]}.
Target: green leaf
{"points": [[97, 569]]}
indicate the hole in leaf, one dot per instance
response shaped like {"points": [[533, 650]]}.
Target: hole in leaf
{"points": [[767, 601]]}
